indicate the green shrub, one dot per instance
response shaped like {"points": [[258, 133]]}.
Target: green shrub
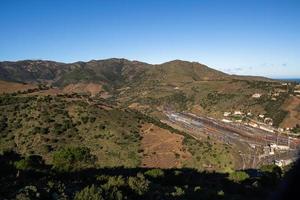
{"points": [[89, 193], [155, 173], [238, 176], [178, 192], [73, 159], [32, 162], [139, 184], [272, 170]]}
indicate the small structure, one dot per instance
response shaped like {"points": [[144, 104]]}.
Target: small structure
{"points": [[261, 116], [253, 124], [237, 113], [226, 114], [268, 121], [279, 147], [226, 121], [280, 129], [283, 163], [256, 95], [266, 129]]}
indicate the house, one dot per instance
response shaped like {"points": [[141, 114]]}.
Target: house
{"points": [[266, 129], [226, 114], [283, 163], [279, 147], [237, 113], [226, 121], [256, 95], [261, 116], [253, 124]]}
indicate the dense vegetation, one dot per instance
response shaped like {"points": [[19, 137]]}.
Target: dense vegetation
{"points": [[43, 125], [31, 178]]}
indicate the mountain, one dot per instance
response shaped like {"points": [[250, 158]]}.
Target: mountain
{"points": [[180, 85], [111, 71]]}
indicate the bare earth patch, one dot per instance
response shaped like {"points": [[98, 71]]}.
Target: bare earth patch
{"points": [[10, 87], [162, 148], [291, 105], [91, 88]]}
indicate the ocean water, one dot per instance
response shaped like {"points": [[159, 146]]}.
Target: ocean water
{"points": [[297, 80]]}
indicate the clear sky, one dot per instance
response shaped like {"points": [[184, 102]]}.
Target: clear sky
{"points": [[256, 37]]}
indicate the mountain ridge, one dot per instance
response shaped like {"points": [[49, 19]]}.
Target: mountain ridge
{"points": [[105, 70]]}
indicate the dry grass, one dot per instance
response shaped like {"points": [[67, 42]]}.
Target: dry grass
{"points": [[162, 148], [10, 87]]}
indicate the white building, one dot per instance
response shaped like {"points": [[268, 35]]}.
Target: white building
{"points": [[226, 121], [282, 163], [226, 114], [256, 95], [237, 113], [266, 129], [261, 116]]}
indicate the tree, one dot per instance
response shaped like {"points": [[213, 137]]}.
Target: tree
{"points": [[73, 159]]}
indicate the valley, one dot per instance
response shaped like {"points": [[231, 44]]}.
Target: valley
{"points": [[135, 121]]}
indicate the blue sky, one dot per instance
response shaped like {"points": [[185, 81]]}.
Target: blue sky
{"points": [[255, 37]]}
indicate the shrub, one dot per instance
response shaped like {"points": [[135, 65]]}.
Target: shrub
{"points": [[273, 170], [89, 193], [138, 184], [73, 159], [114, 181], [155, 173], [178, 192], [238, 176], [31, 162]]}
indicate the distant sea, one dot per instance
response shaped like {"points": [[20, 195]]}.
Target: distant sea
{"points": [[297, 80]]}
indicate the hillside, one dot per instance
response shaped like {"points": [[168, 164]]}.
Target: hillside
{"points": [[99, 128], [177, 84]]}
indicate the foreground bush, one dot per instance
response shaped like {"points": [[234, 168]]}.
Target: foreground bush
{"points": [[89, 193], [32, 162], [72, 159], [155, 173], [238, 176]]}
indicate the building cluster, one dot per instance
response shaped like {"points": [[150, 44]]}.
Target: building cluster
{"points": [[238, 116]]}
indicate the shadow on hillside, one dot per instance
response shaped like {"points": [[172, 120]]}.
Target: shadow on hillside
{"points": [[185, 183]]}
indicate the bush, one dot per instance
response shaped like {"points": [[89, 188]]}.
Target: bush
{"points": [[138, 184], [73, 159], [272, 170], [178, 192], [89, 193], [238, 176], [155, 173], [32, 162]]}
